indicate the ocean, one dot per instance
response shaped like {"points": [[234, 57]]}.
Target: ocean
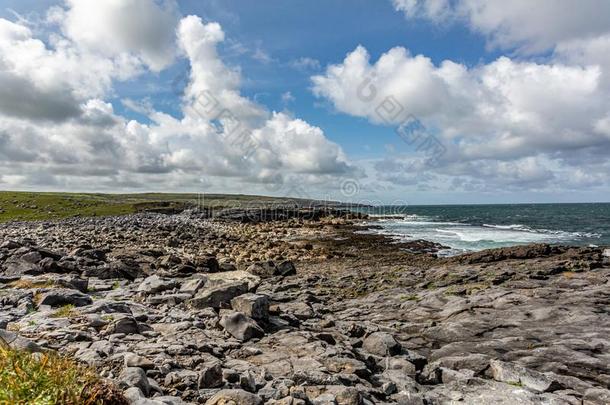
{"points": [[465, 228]]}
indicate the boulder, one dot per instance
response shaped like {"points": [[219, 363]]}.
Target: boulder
{"points": [[255, 306], [596, 396], [169, 299], [127, 325], [219, 296], [134, 377], [182, 379], [31, 257], [270, 269], [347, 365], [300, 309], [286, 268], [234, 397], [518, 375], [210, 376], [17, 342], [64, 296], [215, 279], [262, 269], [381, 344], [117, 269], [18, 268], [343, 395], [88, 356], [226, 265], [49, 265], [93, 254], [155, 284], [208, 262], [133, 360], [193, 285], [10, 245], [241, 327]]}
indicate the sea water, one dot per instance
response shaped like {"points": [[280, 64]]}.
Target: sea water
{"points": [[464, 228]]}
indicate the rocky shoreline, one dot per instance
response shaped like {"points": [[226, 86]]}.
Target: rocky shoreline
{"points": [[298, 307]]}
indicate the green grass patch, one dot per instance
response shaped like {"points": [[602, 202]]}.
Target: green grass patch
{"points": [[31, 206], [23, 206], [47, 379], [67, 311]]}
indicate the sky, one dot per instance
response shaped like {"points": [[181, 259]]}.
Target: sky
{"points": [[379, 101]]}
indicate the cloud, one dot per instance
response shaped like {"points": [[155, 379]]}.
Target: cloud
{"points": [[492, 118], [210, 77], [514, 123], [305, 64], [57, 129], [56, 66], [287, 97], [294, 145], [587, 52], [262, 56], [275, 140], [141, 28], [20, 97], [528, 26]]}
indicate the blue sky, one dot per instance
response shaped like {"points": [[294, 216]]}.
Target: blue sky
{"points": [[286, 31], [517, 94], [325, 32]]}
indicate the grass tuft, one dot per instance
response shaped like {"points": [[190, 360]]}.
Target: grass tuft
{"points": [[67, 311], [47, 378]]}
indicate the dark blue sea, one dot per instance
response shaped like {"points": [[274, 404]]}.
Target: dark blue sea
{"points": [[466, 228]]}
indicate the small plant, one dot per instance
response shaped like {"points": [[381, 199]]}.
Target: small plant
{"points": [[47, 378], [66, 311], [37, 297], [116, 285]]}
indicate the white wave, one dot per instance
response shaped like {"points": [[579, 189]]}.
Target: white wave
{"points": [[517, 227], [460, 237], [562, 234], [415, 217], [481, 234], [386, 216]]}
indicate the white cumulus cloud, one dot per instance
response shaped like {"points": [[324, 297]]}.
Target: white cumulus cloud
{"points": [[58, 130], [530, 26], [491, 118]]}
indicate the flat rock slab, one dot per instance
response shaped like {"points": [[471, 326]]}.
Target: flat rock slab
{"points": [[219, 296], [17, 342], [234, 397], [64, 296]]}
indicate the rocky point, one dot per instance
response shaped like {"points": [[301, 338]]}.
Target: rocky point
{"points": [[291, 309]]}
